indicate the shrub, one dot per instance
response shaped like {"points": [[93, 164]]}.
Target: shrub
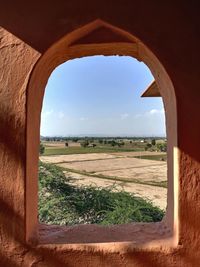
{"points": [[62, 203], [41, 149], [85, 143]]}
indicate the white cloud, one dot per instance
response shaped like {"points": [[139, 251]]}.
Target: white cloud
{"points": [[83, 119], [61, 115], [124, 116], [47, 113], [151, 113], [155, 112]]}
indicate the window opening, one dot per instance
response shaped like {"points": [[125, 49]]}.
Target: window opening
{"points": [[103, 148]]}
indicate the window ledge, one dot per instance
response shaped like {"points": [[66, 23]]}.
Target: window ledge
{"points": [[134, 234]]}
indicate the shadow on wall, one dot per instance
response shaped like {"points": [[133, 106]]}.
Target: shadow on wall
{"points": [[12, 137], [51, 257], [12, 223], [25, 255]]}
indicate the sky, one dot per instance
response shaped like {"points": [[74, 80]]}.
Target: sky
{"points": [[100, 95]]}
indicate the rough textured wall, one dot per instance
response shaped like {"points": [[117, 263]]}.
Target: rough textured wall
{"points": [[16, 62], [171, 31]]}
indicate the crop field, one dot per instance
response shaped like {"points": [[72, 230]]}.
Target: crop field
{"points": [[55, 150], [100, 146], [143, 173]]}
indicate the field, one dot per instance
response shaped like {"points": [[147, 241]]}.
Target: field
{"points": [[64, 203], [54, 150], [143, 173], [100, 146]]}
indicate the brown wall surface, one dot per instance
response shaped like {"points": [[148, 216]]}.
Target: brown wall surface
{"points": [[171, 31]]}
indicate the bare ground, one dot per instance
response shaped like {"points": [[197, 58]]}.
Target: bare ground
{"points": [[112, 164], [76, 157]]}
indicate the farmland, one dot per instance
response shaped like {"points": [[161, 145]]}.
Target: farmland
{"points": [[57, 146], [102, 181], [64, 203], [128, 167]]}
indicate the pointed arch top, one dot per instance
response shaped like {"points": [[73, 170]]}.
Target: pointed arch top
{"points": [[100, 32], [97, 37]]}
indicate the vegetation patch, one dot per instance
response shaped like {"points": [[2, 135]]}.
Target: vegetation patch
{"points": [[85, 150], [161, 157], [62, 203]]}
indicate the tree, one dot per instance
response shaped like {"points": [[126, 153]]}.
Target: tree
{"points": [[153, 142], [41, 149], [162, 147], [100, 141], [85, 143], [148, 145], [113, 143]]}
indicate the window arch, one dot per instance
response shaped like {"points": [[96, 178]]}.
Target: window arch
{"points": [[97, 38]]}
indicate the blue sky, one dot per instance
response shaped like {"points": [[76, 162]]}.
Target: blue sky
{"points": [[101, 96]]}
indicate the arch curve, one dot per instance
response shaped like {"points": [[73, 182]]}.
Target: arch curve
{"points": [[95, 38]]}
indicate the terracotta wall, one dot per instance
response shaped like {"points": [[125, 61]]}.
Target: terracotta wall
{"points": [[16, 61], [172, 33]]}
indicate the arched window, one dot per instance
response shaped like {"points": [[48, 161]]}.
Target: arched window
{"points": [[79, 44]]}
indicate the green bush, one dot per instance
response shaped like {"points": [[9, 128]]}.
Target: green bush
{"points": [[85, 143], [41, 149], [62, 203]]}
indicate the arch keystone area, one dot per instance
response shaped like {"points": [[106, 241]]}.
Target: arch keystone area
{"points": [[101, 32]]}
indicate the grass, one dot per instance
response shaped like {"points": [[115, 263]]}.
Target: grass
{"points": [[85, 150], [161, 157], [65, 204]]}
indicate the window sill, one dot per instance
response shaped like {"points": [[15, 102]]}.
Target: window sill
{"points": [[111, 237]]}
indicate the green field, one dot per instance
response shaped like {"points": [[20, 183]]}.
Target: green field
{"points": [[84, 150]]}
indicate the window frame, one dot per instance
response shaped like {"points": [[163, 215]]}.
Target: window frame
{"points": [[69, 48]]}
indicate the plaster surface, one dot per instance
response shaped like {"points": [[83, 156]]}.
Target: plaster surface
{"points": [[171, 32]]}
